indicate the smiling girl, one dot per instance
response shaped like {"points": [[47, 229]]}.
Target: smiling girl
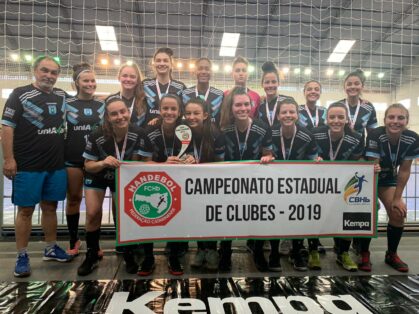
{"points": [[312, 115], [394, 147]]}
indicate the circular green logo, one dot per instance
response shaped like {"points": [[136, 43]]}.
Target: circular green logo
{"points": [[152, 200]]}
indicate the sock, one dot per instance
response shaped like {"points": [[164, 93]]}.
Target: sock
{"points": [[364, 244], [394, 234], [297, 245], [73, 228], [22, 251], [50, 245], [148, 250], [92, 240], [344, 246], [274, 247], [313, 244]]}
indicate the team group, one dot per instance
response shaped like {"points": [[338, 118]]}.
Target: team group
{"points": [[55, 146]]}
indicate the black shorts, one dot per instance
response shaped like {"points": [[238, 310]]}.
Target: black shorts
{"points": [[386, 178], [102, 182]]}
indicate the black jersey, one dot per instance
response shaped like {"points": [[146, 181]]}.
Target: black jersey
{"points": [[82, 117], [38, 121], [351, 148], [219, 145], [302, 147], [240, 146], [214, 98], [99, 147], [366, 118], [312, 118], [137, 120], [270, 120], [391, 155], [174, 87], [159, 146]]}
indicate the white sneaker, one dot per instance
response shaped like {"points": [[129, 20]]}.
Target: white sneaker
{"points": [[285, 247], [199, 259]]}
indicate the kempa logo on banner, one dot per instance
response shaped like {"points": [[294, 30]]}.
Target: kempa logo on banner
{"points": [[152, 198], [353, 190], [356, 221]]}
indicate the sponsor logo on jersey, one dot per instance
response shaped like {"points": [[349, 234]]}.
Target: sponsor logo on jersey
{"points": [[152, 198], [356, 221], [9, 112], [353, 189]]}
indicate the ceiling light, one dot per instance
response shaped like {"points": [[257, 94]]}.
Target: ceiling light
{"points": [[104, 61], [191, 66], [229, 44], [285, 70], [341, 72], [228, 68], [14, 56], [179, 65], [329, 72], [297, 71], [215, 67], [107, 38], [117, 62], [251, 68], [129, 62], [307, 71], [367, 73], [380, 75], [340, 51], [28, 58]]}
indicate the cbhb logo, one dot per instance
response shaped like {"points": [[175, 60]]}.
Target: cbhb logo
{"points": [[352, 190], [152, 199]]}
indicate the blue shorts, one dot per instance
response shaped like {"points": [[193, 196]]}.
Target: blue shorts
{"points": [[31, 187]]}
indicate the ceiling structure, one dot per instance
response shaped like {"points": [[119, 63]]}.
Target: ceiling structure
{"points": [[293, 34]]}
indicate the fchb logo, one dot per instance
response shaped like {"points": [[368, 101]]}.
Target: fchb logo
{"points": [[353, 189], [152, 198]]}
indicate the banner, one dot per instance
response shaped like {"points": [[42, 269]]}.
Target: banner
{"points": [[238, 295], [245, 200]]}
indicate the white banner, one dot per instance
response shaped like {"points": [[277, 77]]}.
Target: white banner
{"points": [[245, 200]]}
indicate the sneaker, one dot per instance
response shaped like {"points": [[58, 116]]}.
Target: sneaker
{"points": [[285, 247], [56, 254], [274, 263], [147, 267], [131, 265], [199, 259], [365, 264], [212, 259], [314, 260], [23, 267], [225, 262], [394, 261], [89, 264], [299, 263], [75, 250], [321, 249], [261, 263], [175, 267], [266, 246], [346, 262]]}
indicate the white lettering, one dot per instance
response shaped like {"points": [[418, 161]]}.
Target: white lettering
{"points": [[174, 306], [329, 304]]}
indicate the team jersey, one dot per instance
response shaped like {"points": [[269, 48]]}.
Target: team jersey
{"points": [[214, 98], [98, 147], [247, 145], [160, 146], [254, 99], [82, 117], [365, 118], [391, 155], [268, 116], [350, 148], [219, 145], [38, 121], [312, 118], [137, 120], [174, 87], [301, 147]]}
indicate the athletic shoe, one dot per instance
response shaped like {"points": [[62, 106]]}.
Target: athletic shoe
{"points": [[212, 259], [261, 263], [225, 262], [23, 267], [266, 246], [346, 262], [75, 251], [299, 263], [147, 267], [285, 247], [394, 261], [89, 264], [314, 260], [321, 249], [131, 265], [274, 263], [199, 259], [56, 254], [175, 267], [365, 263]]}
